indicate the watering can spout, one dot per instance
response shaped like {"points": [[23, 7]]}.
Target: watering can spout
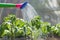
{"points": [[23, 5]]}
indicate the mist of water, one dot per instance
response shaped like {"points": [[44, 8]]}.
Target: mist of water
{"points": [[28, 12]]}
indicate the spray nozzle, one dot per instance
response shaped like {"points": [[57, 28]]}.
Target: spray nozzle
{"points": [[23, 5]]}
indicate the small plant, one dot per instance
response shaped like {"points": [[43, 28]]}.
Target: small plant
{"points": [[45, 28], [36, 25], [14, 27], [36, 22], [56, 30]]}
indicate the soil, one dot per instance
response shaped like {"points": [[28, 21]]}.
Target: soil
{"points": [[55, 37]]}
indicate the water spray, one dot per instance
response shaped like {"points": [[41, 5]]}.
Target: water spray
{"points": [[6, 5]]}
